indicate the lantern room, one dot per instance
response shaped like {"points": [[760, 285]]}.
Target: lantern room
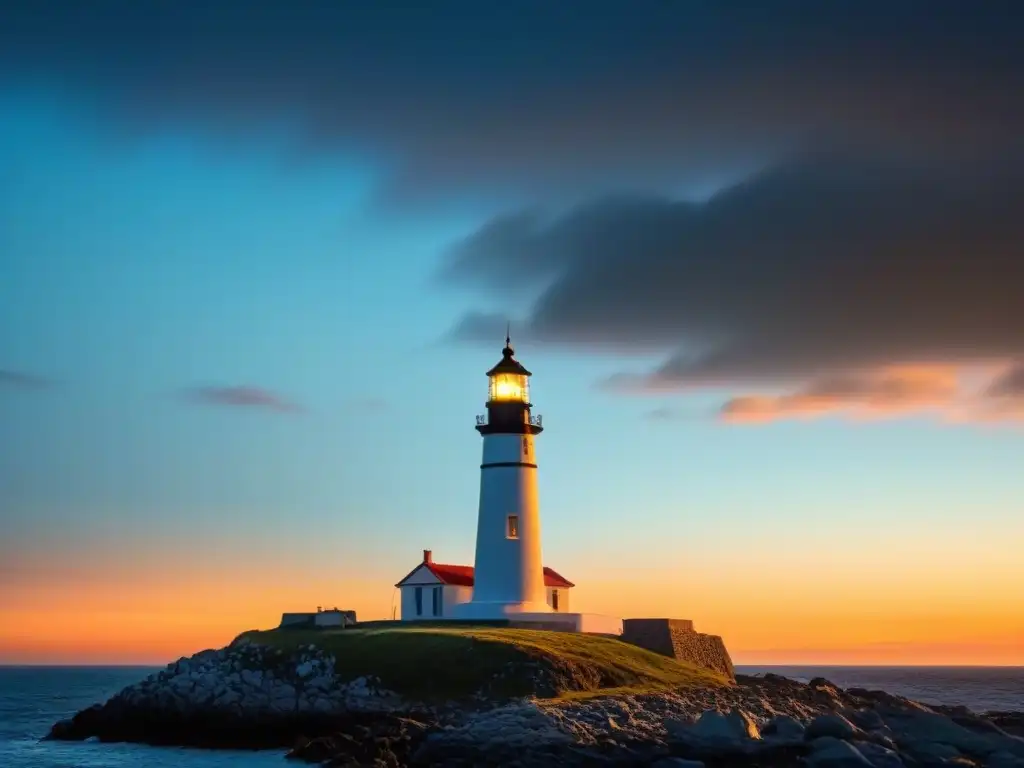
{"points": [[508, 381], [509, 387], [508, 399]]}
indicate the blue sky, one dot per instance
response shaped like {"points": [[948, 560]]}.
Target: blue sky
{"points": [[143, 262], [143, 269]]}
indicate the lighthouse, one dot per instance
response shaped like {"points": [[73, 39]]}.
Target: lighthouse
{"points": [[509, 571], [508, 584]]}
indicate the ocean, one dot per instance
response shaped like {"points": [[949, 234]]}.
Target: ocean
{"points": [[982, 689], [33, 698]]}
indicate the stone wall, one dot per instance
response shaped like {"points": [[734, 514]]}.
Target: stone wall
{"points": [[677, 639]]}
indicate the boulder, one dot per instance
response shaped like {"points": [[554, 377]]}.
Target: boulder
{"points": [[878, 756], [890, 701], [865, 719], [713, 728], [834, 725], [716, 736], [825, 687], [830, 752], [913, 730], [783, 727]]}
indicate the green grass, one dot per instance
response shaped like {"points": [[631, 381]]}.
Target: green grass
{"points": [[455, 662]]}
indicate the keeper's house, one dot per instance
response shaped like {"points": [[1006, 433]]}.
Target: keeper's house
{"points": [[432, 590]]}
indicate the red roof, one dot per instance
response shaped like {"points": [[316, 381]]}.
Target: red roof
{"points": [[457, 575], [462, 575], [553, 578]]}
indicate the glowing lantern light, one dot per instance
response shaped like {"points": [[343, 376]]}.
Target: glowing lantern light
{"points": [[509, 387]]}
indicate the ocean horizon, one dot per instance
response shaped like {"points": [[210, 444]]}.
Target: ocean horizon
{"points": [[34, 697]]}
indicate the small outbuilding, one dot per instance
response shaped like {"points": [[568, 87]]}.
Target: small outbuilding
{"points": [[330, 617]]}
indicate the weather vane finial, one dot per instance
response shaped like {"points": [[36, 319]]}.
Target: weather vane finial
{"points": [[508, 334]]}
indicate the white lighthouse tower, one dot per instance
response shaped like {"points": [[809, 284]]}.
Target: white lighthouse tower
{"points": [[509, 572]]}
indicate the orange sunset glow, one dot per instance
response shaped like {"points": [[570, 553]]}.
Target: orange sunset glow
{"points": [[149, 608]]}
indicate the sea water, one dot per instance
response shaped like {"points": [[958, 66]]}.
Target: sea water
{"points": [[33, 698]]}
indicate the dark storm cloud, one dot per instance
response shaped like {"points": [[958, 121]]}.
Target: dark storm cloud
{"points": [[241, 397], [829, 264], [20, 380], [536, 99]]}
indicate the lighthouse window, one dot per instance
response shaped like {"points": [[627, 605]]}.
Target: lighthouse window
{"points": [[513, 527], [419, 601], [509, 386]]}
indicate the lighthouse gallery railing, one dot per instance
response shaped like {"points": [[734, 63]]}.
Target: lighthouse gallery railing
{"points": [[535, 420]]}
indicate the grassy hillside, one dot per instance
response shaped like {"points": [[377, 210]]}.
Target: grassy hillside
{"points": [[452, 662]]}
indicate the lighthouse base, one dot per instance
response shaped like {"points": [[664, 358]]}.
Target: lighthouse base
{"points": [[487, 610], [515, 615]]}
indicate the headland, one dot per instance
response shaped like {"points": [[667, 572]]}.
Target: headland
{"points": [[449, 695]]}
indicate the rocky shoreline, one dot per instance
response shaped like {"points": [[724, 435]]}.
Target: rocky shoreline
{"points": [[252, 697]]}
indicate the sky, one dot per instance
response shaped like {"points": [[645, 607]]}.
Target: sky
{"points": [[765, 260]]}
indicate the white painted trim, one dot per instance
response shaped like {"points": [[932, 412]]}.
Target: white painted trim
{"points": [[422, 577]]}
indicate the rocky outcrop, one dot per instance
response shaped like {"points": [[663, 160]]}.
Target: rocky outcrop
{"points": [[642, 731], [252, 696], [762, 723], [245, 695], [677, 639]]}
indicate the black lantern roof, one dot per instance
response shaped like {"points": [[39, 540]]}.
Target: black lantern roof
{"points": [[508, 363]]}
